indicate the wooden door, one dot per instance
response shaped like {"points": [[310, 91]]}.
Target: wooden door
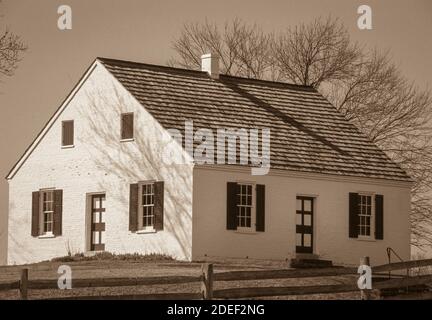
{"points": [[304, 224], [97, 223]]}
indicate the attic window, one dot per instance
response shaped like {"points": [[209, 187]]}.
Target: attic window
{"points": [[127, 126], [67, 133]]}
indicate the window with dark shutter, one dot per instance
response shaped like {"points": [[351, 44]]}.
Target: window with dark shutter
{"points": [[159, 205], [232, 190], [58, 212], [35, 214], [353, 215], [47, 211], [133, 207], [146, 206], [67, 133], [379, 217], [127, 126], [260, 207]]}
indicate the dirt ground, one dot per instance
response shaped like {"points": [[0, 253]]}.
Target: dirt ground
{"points": [[142, 268]]}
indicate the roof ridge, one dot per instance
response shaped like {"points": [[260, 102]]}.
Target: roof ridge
{"points": [[150, 65], [203, 73], [274, 83]]}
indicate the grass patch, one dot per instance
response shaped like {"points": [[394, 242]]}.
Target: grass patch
{"points": [[103, 256]]}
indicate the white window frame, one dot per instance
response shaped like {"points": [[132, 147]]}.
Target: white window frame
{"points": [[371, 235], [252, 227], [42, 221], [141, 226]]}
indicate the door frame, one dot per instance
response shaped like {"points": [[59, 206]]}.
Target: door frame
{"points": [[88, 219], [313, 199]]}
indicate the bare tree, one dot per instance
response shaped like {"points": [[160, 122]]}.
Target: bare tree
{"points": [[310, 54], [244, 50], [396, 115], [11, 48], [364, 85]]}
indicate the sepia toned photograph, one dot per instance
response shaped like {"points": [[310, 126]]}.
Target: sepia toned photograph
{"points": [[232, 151]]}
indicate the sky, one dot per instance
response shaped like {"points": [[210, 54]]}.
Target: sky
{"points": [[144, 30]]}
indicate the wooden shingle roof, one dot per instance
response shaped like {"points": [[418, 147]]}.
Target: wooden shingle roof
{"points": [[308, 134]]}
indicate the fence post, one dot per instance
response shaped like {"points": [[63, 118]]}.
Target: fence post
{"points": [[365, 293], [207, 281], [23, 284]]}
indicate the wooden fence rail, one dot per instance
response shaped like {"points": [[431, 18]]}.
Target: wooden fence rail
{"points": [[115, 282], [208, 277]]}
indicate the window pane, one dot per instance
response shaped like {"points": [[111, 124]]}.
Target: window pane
{"points": [[299, 219], [95, 237], [96, 203], [307, 219], [307, 205], [248, 212], [307, 238], [298, 205], [249, 189], [299, 237]]}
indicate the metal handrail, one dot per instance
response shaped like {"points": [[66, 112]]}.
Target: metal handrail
{"points": [[389, 252]]}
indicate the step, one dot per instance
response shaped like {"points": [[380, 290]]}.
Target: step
{"points": [[303, 263]]}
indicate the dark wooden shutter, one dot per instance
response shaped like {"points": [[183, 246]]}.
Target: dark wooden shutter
{"points": [[58, 212], [133, 207], [127, 126], [260, 207], [353, 215], [159, 205], [35, 214], [68, 133], [232, 190], [379, 217]]}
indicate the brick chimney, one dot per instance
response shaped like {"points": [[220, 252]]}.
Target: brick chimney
{"points": [[210, 64]]}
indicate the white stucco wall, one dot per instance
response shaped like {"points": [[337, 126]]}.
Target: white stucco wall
{"points": [[99, 162], [211, 238]]}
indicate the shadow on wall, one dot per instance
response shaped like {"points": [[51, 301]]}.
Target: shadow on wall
{"points": [[133, 162], [15, 241]]}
